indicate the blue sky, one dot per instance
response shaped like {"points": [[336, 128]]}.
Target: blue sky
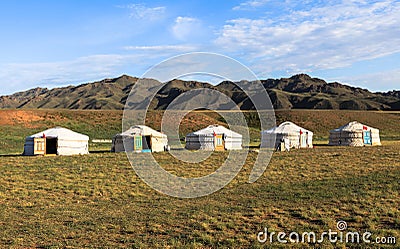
{"points": [[57, 43]]}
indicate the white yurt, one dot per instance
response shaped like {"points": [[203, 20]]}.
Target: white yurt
{"points": [[354, 134], [140, 138], [56, 141], [292, 135], [214, 137]]}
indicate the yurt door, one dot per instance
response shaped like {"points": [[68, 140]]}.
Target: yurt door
{"points": [[219, 143], [51, 145], [39, 146], [146, 143], [303, 140], [137, 143], [367, 137]]}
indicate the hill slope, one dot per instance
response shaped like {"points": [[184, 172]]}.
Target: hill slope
{"points": [[297, 92], [105, 94]]}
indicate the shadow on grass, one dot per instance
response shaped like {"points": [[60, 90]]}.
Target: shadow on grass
{"points": [[99, 151], [322, 145], [252, 147], [11, 155]]}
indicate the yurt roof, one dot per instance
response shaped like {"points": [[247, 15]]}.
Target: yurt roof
{"points": [[287, 128], [217, 129], [353, 126], [142, 130], [61, 133]]}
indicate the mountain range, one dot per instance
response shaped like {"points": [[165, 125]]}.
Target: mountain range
{"points": [[297, 92]]}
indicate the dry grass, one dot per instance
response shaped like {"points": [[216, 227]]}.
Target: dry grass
{"points": [[97, 200]]}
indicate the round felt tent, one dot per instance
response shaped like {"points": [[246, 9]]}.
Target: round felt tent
{"points": [[140, 138], [56, 141], [354, 134], [291, 134], [214, 137]]}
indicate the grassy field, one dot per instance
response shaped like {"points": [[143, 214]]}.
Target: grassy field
{"points": [[15, 125], [97, 200]]}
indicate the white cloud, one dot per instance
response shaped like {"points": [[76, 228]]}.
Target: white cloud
{"points": [[174, 48], [186, 27], [23, 76], [200, 64], [380, 81], [141, 11], [322, 37], [250, 4]]}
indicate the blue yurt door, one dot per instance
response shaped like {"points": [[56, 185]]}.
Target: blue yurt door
{"points": [[367, 137]]}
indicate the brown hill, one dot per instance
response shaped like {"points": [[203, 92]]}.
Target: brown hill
{"points": [[105, 94], [297, 92]]}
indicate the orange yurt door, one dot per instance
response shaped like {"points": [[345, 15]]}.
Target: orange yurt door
{"points": [[39, 146], [219, 142]]}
